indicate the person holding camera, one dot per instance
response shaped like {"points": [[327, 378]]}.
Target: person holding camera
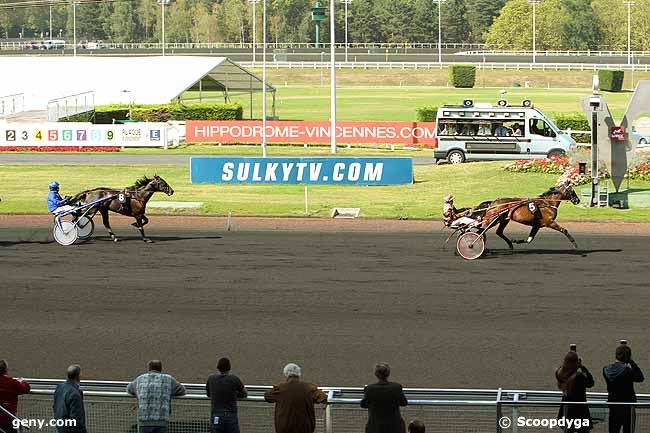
{"points": [[620, 377], [573, 379]]}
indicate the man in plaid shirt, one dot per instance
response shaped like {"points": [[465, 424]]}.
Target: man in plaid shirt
{"points": [[154, 391]]}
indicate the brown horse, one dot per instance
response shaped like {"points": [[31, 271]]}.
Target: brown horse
{"points": [[130, 201], [537, 212]]}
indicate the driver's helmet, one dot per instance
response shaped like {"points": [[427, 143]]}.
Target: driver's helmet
{"points": [[54, 185], [449, 198]]}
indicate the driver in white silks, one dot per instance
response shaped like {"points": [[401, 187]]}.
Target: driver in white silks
{"points": [[453, 217]]}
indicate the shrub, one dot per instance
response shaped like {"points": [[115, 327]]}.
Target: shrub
{"points": [[611, 81], [462, 75], [575, 121], [426, 113], [172, 111]]}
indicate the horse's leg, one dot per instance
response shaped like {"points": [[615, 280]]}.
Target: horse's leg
{"points": [[143, 222], [555, 226], [531, 235], [104, 213], [500, 229], [140, 225]]}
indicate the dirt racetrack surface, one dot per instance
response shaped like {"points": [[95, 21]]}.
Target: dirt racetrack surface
{"points": [[333, 301]]}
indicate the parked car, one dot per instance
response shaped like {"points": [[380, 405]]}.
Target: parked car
{"points": [[96, 45], [641, 139], [33, 45], [54, 44]]}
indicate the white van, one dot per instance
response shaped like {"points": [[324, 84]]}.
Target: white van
{"points": [[54, 44], [485, 132]]}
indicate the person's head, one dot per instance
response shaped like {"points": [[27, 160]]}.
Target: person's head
{"points": [[623, 353], [74, 372], [54, 185], [567, 372], [515, 126], [4, 367], [382, 371], [155, 365], [223, 365], [292, 370], [416, 426], [449, 198]]}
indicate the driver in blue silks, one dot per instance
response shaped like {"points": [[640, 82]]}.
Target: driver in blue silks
{"points": [[56, 203]]}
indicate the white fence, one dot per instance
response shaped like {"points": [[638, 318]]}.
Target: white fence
{"points": [[12, 104], [70, 105]]}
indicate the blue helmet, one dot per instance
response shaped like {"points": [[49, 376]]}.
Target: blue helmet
{"points": [[54, 185]]}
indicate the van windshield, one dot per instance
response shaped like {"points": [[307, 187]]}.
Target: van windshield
{"points": [[449, 127], [540, 127]]}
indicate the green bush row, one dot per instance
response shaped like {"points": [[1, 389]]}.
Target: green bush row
{"points": [[426, 114], [611, 81], [462, 75], [105, 114]]}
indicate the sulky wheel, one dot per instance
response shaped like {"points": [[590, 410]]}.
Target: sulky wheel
{"points": [[66, 234], [470, 245], [85, 227]]}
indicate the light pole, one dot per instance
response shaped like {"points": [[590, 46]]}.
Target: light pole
{"points": [[346, 3], [51, 35], [162, 23], [629, 5], [440, 2], [534, 3], [264, 80], [332, 78], [254, 31], [74, 29]]}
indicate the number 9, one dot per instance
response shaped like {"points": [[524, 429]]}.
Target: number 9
{"points": [[109, 134]]}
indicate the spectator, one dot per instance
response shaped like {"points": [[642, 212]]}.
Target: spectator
{"points": [[484, 129], [416, 426], [502, 131], [10, 389], [224, 389], [620, 377], [573, 379], [383, 400], [517, 131], [294, 402], [468, 129], [69, 402], [154, 391]]}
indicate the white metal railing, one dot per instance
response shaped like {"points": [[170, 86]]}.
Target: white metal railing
{"points": [[70, 105], [487, 66], [555, 53], [12, 104], [110, 409]]}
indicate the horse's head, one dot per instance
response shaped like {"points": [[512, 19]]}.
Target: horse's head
{"points": [[567, 191], [159, 184]]}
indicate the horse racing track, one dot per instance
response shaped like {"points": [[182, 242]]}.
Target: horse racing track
{"points": [[335, 302]]}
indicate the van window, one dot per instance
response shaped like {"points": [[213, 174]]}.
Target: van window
{"points": [[540, 127], [481, 128]]}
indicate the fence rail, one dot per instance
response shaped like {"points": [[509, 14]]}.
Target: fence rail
{"points": [[555, 53], [484, 66], [109, 409], [70, 105], [12, 104]]}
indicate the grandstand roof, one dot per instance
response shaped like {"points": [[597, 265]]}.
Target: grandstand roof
{"points": [[141, 80]]}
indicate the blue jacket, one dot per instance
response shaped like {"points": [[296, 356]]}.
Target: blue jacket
{"points": [[55, 200], [69, 404]]}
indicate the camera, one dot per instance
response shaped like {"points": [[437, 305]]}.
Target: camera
{"points": [[594, 102], [573, 347], [623, 342]]}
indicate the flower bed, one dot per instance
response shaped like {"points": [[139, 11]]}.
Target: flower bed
{"points": [[59, 149]]}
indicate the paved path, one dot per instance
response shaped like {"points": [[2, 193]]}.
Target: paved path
{"points": [[116, 159]]}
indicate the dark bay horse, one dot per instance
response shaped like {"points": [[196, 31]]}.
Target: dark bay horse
{"points": [[536, 212], [130, 201]]}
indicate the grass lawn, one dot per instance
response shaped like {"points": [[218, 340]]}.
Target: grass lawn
{"points": [[24, 188]]}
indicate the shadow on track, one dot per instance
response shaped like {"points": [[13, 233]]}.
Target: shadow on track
{"points": [[570, 252], [19, 242], [154, 238]]}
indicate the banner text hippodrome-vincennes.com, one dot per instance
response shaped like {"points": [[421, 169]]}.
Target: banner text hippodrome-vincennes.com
{"points": [[307, 171], [250, 131]]}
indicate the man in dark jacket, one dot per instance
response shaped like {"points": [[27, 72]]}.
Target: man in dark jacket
{"points": [[224, 389], [620, 377], [10, 389], [69, 402], [294, 402], [383, 400]]}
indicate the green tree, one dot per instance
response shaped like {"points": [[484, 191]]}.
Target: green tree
{"points": [[123, 24], [480, 15], [611, 16], [580, 31], [454, 22], [148, 13], [178, 23]]}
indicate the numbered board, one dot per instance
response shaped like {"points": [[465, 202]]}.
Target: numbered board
{"points": [[83, 135]]}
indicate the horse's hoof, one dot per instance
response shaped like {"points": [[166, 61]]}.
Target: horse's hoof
{"points": [[115, 239], [147, 240]]}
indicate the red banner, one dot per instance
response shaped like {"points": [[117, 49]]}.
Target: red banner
{"points": [[250, 131]]}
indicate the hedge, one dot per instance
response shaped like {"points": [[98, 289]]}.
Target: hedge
{"points": [[173, 111], [611, 81], [462, 75], [575, 121], [426, 114]]}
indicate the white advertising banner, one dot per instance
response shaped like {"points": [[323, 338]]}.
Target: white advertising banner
{"points": [[136, 134]]}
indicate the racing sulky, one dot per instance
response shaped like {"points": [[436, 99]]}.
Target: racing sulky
{"points": [[130, 201]]}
